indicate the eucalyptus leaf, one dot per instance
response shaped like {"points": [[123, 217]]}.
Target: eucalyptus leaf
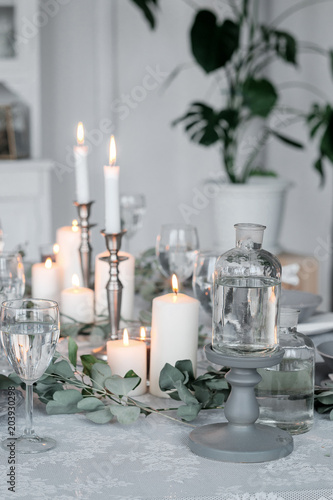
{"points": [[88, 361], [188, 412], [100, 416], [169, 376], [148, 8], [64, 402], [121, 386], [72, 351], [99, 373], [185, 365], [184, 394], [217, 384], [61, 368], [6, 382], [125, 414], [90, 404], [287, 140]]}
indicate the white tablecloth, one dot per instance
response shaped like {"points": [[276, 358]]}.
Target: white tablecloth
{"points": [[151, 460]]}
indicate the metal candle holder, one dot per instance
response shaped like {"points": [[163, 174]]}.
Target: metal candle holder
{"points": [[241, 439], [114, 286], [85, 247]]}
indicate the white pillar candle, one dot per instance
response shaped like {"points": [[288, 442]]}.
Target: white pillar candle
{"points": [[81, 167], [174, 334], [112, 202], [46, 280], [77, 303], [68, 256], [125, 355], [126, 276]]}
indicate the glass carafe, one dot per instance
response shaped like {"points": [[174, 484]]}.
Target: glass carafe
{"points": [[247, 283], [285, 393]]}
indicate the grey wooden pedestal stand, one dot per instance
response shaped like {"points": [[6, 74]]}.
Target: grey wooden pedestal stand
{"points": [[241, 440]]}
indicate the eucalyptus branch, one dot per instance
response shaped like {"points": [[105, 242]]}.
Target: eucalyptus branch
{"points": [[293, 9]]}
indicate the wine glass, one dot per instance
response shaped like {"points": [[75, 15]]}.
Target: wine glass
{"points": [[29, 331], [176, 247], [203, 275], [12, 286], [132, 210], [12, 278]]}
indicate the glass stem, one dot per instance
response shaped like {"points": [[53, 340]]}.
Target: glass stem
{"points": [[29, 431]]}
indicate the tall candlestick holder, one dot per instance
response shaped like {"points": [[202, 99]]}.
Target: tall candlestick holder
{"points": [[85, 247], [114, 286], [241, 439]]}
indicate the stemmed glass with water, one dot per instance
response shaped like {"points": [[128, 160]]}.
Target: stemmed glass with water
{"points": [[176, 248], [12, 286], [29, 333]]}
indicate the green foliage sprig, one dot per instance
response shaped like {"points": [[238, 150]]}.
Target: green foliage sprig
{"points": [[103, 397], [324, 401]]}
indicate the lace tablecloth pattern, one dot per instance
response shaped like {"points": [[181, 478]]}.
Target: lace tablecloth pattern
{"points": [[150, 460]]}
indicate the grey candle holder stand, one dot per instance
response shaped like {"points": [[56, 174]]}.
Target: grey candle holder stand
{"points": [[114, 286], [85, 249], [241, 439]]}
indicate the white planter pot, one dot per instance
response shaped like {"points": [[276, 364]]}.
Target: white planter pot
{"points": [[260, 202]]}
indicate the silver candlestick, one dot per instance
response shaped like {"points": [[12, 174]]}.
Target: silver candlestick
{"points": [[114, 286], [85, 247]]}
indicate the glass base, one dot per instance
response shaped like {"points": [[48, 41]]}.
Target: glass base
{"points": [[28, 444], [244, 350]]}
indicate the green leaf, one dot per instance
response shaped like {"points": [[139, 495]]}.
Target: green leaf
{"points": [[286, 46], [88, 361], [185, 366], [132, 374], [147, 7], [125, 414], [169, 376], [259, 96], [260, 172], [330, 53], [217, 399], [64, 402], [326, 144], [318, 165], [188, 412], [121, 386], [184, 394], [90, 404], [286, 140], [99, 373], [100, 416], [217, 384], [204, 123], [6, 382], [72, 351], [62, 369], [326, 399], [213, 45], [202, 394]]}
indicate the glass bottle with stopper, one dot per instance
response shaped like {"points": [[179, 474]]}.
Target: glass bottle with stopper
{"points": [[247, 283], [285, 393]]}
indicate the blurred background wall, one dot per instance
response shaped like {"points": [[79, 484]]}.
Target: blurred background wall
{"points": [[101, 63]]}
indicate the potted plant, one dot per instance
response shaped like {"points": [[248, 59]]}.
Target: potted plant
{"points": [[238, 50]]}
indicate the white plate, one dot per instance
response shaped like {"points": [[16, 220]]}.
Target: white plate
{"points": [[319, 323]]}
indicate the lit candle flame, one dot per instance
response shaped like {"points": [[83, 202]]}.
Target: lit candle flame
{"points": [[80, 134], [56, 248], [112, 152], [48, 263], [75, 226], [175, 287], [125, 337], [75, 281], [142, 333]]}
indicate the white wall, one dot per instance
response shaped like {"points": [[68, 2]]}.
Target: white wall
{"points": [[96, 57]]}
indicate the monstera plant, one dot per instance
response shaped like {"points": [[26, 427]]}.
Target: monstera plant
{"points": [[238, 50]]}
